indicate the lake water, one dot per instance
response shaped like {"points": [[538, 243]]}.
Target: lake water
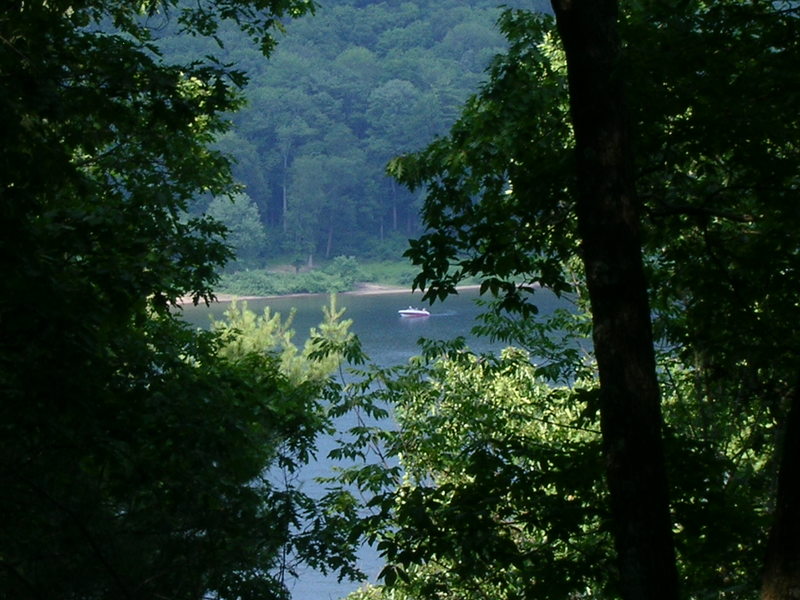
{"points": [[388, 339]]}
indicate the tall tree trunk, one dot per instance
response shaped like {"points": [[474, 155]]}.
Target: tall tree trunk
{"points": [[781, 578], [329, 241], [608, 222], [285, 208]]}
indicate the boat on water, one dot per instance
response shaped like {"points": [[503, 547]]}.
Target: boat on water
{"points": [[414, 312]]}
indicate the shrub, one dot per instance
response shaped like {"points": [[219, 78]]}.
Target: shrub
{"points": [[264, 283]]}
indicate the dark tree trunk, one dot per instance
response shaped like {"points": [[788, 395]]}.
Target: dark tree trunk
{"points": [[781, 580], [608, 222]]}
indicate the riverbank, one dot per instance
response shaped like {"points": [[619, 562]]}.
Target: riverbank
{"points": [[363, 289]]}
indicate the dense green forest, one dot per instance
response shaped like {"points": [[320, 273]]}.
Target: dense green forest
{"points": [[638, 158], [643, 158], [343, 93], [139, 458]]}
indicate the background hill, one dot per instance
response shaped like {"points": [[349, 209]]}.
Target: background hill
{"points": [[345, 91]]}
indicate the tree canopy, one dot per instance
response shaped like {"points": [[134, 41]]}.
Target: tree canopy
{"points": [[140, 459], [349, 89], [137, 458], [715, 178]]}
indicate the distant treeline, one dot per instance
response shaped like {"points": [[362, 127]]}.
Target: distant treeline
{"points": [[345, 91]]}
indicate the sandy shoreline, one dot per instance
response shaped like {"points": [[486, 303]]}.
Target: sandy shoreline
{"points": [[364, 289]]}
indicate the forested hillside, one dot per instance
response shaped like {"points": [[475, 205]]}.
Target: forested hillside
{"points": [[638, 158], [345, 91]]}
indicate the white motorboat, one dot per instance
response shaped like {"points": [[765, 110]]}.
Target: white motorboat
{"points": [[414, 312]]}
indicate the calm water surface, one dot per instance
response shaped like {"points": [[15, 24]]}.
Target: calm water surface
{"points": [[388, 339]]}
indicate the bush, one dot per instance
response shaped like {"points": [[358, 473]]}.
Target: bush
{"points": [[264, 283], [390, 273], [389, 249], [246, 234]]}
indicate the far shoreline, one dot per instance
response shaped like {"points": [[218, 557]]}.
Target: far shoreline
{"points": [[363, 289]]}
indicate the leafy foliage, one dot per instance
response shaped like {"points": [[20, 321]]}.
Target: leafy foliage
{"points": [[156, 482], [488, 481], [242, 331], [339, 276], [244, 231], [342, 94], [485, 444], [474, 177], [717, 182], [138, 458]]}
